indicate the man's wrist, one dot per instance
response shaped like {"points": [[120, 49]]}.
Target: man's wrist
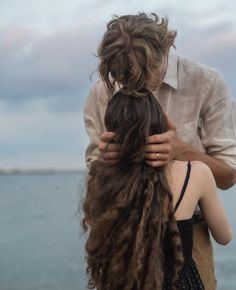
{"points": [[185, 151]]}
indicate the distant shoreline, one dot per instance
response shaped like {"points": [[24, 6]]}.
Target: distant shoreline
{"points": [[41, 171]]}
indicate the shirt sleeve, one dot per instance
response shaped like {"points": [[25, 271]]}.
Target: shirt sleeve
{"points": [[219, 122], [94, 111]]}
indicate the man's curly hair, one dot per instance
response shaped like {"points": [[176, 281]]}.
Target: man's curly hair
{"points": [[132, 50]]}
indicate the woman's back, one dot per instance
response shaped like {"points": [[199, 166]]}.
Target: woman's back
{"points": [[193, 184], [201, 190], [176, 173]]}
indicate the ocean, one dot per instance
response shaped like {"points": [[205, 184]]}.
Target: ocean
{"points": [[41, 247]]}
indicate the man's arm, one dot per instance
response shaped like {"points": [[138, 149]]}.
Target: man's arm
{"points": [[171, 147], [224, 175], [218, 134]]}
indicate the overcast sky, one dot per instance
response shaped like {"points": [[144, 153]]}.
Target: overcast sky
{"points": [[47, 55]]}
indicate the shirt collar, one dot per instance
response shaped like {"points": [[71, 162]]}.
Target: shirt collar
{"points": [[170, 77]]}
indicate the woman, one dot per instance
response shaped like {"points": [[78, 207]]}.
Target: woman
{"points": [[140, 218]]}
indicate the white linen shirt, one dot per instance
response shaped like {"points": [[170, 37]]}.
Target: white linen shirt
{"points": [[195, 97]]}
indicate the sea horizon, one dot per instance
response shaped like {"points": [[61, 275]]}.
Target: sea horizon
{"points": [[39, 170]]}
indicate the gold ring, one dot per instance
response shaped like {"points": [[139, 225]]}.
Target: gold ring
{"points": [[157, 155]]}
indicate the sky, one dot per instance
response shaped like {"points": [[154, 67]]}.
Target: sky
{"points": [[47, 54]]}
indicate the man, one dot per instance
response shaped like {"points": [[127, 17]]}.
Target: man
{"points": [[134, 53]]}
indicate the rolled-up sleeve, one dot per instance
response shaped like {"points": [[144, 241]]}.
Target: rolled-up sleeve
{"points": [[94, 111], [219, 121]]}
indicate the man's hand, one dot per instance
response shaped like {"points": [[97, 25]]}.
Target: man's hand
{"points": [[162, 148], [110, 150]]}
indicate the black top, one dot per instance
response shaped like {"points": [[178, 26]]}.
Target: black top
{"points": [[184, 187], [189, 277], [185, 226]]}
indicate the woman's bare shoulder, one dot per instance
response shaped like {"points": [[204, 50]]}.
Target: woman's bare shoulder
{"points": [[197, 165], [176, 172], [200, 168], [200, 171]]}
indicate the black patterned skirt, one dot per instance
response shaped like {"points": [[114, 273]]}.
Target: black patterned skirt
{"points": [[189, 278]]}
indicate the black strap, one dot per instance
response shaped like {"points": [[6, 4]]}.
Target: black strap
{"points": [[184, 187]]}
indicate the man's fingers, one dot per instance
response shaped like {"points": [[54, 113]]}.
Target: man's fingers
{"points": [[156, 156], [107, 137], [157, 148], [105, 146], [163, 137], [158, 138], [111, 155], [106, 143], [114, 147]]}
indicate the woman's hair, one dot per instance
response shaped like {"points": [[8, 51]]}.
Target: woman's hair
{"points": [[132, 51], [128, 206]]}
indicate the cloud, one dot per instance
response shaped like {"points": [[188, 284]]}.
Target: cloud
{"points": [[215, 46], [46, 58], [54, 67]]}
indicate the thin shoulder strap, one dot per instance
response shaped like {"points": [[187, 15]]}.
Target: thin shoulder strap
{"points": [[184, 187]]}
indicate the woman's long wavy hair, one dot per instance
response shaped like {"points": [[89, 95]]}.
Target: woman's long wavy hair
{"points": [[128, 207], [132, 52]]}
